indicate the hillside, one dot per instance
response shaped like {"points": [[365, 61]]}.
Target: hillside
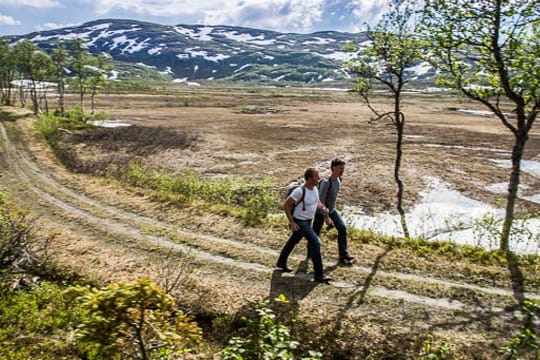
{"points": [[209, 53]]}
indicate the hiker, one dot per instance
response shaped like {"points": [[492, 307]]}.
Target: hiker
{"points": [[328, 193], [306, 198]]}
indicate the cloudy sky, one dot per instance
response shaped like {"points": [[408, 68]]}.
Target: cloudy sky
{"points": [[19, 17]]}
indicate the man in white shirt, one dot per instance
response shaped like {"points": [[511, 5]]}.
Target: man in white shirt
{"points": [[306, 198]]}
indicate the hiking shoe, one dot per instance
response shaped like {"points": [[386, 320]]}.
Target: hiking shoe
{"points": [[346, 258], [322, 279], [343, 262], [284, 268]]}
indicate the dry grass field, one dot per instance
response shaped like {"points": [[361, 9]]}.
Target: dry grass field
{"points": [[278, 133], [384, 307]]}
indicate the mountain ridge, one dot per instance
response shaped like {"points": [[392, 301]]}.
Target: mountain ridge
{"points": [[217, 52]]}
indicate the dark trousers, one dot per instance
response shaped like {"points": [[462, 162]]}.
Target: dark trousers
{"points": [[314, 246], [340, 227]]}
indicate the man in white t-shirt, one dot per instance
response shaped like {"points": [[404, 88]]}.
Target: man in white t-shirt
{"points": [[306, 198]]}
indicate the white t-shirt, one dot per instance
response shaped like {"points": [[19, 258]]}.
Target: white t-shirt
{"points": [[311, 198]]}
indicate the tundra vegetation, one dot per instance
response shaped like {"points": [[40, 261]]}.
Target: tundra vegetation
{"points": [[50, 310]]}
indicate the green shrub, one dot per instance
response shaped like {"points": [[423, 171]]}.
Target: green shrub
{"points": [[432, 349], [132, 321], [37, 323], [255, 200], [527, 341], [264, 338]]}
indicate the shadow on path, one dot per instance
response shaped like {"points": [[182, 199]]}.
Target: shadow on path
{"points": [[516, 277], [358, 296], [295, 286]]}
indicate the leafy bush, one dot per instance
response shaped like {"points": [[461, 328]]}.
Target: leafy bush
{"points": [[527, 341], [132, 321], [15, 242], [264, 338], [37, 323], [433, 349]]}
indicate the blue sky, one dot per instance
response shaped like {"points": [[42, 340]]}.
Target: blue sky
{"points": [[19, 17]]}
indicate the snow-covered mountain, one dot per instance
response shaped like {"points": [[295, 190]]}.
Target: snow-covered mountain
{"points": [[197, 52]]}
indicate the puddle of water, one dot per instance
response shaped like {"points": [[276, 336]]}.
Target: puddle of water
{"points": [[531, 167], [445, 214], [476, 112], [461, 147], [502, 188], [109, 123]]}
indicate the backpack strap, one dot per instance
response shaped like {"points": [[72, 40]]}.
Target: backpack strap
{"points": [[302, 198], [328, 190]]}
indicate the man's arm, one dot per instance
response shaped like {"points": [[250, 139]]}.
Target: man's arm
{"points": [[287, 206], [323, 190]]}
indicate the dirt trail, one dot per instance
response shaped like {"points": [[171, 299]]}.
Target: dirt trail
{"points": [[136, 226], [236, 263]]}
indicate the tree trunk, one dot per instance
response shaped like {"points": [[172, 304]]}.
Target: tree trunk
{"points": [[34, 98], [93, 103], [140, 337], [400, 122], [513, 185], [61, 102], [82, 100]]}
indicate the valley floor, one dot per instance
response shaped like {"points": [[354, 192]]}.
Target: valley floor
{"points": [[385, 306]]}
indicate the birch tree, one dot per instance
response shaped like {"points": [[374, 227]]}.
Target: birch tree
{"points": [[8, 69], [490, 51], [392, 48], [81, 65], [35, 66], [60, 59]]}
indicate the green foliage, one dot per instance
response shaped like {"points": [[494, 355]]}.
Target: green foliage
{"points": [[527, 341], [254, 201], [36, 323], [34, 315], [264, 337], [49, 125], [15, 254], [8, 68], [132, 321], [488, 50], [392, 49], [488, 229], [433, 350], [77, 114]]}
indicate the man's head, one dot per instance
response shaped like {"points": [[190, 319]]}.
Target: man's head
{"points": [[337, 166], [311, 175]]}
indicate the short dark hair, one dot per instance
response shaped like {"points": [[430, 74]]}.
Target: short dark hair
{"points": [[308, 174], [337, 162]]}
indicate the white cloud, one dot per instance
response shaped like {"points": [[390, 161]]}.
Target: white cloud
{"points": [[51, 26], [280, 15], [292, 15], [151, 7], [369, 9], [40, 4], [8, 20], [299, 15]]}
